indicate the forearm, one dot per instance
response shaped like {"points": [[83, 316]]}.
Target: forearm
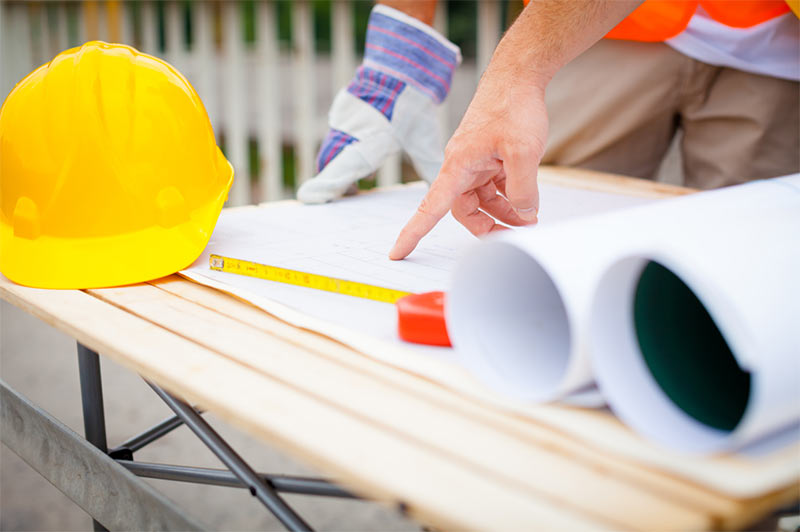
{"points": [[423, 10], [550, 33]]}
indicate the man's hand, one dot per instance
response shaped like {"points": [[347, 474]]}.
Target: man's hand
{"points": [[490, 165], [489, 171]]}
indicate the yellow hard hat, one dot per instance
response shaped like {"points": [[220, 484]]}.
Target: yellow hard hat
{"points": [[109, 172]]}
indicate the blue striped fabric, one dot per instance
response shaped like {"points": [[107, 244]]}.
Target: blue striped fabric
{"points": [[377, 89], [410, 55], [334, 143]]}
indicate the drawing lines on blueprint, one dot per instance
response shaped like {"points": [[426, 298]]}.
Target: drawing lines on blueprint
{"points": [[349, 240]]}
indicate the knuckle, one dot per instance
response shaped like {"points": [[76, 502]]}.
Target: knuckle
{"points": [[465, 205], [486, 225], [425, 207]]}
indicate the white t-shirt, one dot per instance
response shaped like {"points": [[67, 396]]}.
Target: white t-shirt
{"points": [[771, 48]]}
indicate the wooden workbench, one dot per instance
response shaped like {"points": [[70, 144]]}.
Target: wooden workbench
{"points": [[386, 434]]}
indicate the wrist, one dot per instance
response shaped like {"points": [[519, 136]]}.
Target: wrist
{"points": [[513, 72], [519, 57]]}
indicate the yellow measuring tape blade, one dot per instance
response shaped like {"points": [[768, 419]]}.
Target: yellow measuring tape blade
{"points": [[307, 280]]}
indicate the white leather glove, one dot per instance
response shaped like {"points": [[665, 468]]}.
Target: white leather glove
{"points": [[389, 105]]}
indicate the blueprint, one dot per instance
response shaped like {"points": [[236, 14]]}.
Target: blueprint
{"points": [[350, 239]]}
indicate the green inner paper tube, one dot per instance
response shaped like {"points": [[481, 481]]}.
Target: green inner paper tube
{"points": [[685, 351]]}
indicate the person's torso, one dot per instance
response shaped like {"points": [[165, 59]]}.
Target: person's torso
{"points": [[770, 48]]}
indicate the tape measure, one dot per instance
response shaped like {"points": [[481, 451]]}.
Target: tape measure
{"points": [[305, 279], [420, 317]]}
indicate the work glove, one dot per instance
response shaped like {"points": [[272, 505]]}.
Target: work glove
{"points": [[389, 105]]}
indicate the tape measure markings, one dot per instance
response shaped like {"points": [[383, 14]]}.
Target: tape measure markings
{"points": [[305, 279]]}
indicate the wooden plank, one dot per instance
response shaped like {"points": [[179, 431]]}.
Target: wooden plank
{"points": [[678, 490], [3, 47], [269, 126], [204, 58], [488, 33], [434, 488], [36, 37], [235, 104], [102, 21], [173, 30], [540, 471], [113, 22], [18, 60], [149, 28], [611, 183], [126, 28], [303, 81], [91, 18], [56, 24], [726, 512], [343, 53], [723, 512]]}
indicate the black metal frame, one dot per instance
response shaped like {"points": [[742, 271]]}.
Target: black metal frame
{"points": [[264, 487]]}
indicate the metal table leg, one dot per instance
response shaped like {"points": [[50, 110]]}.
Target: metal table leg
{"points": [[94, 421], [258, 488]]}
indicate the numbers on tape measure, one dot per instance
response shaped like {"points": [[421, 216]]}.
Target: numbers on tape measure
{"points": [[304, 279]]}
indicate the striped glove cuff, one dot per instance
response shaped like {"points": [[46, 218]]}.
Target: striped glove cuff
{"points": [[410, 51]]}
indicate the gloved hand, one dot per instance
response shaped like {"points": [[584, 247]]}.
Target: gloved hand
{"points": [[389, 105]]}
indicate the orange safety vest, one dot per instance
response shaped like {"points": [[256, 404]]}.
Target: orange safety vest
{"points": [[659, 20]]}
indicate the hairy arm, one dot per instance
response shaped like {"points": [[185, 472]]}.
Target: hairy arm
{"points": [[550, 33], [491, 162]]}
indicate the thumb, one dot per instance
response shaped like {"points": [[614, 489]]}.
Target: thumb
{"points": [[521, 165]]}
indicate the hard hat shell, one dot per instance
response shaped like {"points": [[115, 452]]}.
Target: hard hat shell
{"points": [[109, 171]]}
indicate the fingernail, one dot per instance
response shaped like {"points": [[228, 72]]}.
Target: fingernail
{"points": [[529, 214]]}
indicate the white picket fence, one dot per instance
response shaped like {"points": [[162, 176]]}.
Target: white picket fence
{"points": [[258, 95]]}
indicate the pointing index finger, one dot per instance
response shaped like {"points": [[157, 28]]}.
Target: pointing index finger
{"points": [[433, 207]]}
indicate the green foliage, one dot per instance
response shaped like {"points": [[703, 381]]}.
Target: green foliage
{"points": [[462, 25], [284, 17], [321, 13], [288, 166], [362, 10], [249, 17], [73, 23], [253, 159]]}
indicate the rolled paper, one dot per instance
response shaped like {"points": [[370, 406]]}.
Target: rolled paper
{"points": [[696, 335], [698, 295]]}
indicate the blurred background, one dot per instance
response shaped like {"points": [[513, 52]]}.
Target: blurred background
{"points": [[266, 71]]}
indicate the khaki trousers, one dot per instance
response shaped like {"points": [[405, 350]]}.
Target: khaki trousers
{"points": [[617, 107]]}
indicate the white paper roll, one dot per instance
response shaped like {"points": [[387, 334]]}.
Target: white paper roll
{"points": [[520, 308], [737, 251]]}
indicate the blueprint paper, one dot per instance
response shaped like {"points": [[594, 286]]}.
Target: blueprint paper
{"points": [[559, 310], [350, 239]]}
